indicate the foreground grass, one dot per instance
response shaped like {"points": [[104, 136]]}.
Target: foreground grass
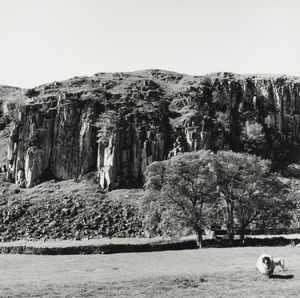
{"points": [[221, 272], [214, 285]]}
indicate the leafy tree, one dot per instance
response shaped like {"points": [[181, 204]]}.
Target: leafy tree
{"points": [[277, 214], [253, 137], [245, 187], [107, 124], [280, 207], [294, 196], [261, 200], [191, 191], [226, 169], [178, 194]]}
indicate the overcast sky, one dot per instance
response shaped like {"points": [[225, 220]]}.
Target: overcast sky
{"points": [[42, 41]]}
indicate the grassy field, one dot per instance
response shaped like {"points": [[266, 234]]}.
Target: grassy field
{"points": [[211, 272]]}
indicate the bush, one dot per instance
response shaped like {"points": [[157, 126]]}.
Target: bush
{"points": [[32, 93]]}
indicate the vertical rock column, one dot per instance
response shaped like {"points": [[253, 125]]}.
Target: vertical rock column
{"points": [[64, 155], [126, 155], [12, 152], [30, 143], [34, 166], [74, 149], [108, 162]]}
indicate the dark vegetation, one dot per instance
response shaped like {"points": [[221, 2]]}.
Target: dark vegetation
{"points": [[203, 190], [32, 93]]}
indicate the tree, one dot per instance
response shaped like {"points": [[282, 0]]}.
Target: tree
{"points": [[179, 193], [245, 187], [107, 125], [253, 137], [191, 190], [280, 206], [294, 196], [260, 197]]}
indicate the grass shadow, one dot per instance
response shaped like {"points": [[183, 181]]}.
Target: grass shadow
{"points": [[277, 276]]}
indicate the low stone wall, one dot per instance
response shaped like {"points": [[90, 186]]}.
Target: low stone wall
{"points": [[98, 249], [142, 247]]}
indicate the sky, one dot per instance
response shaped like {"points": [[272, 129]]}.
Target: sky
{"points": [[42, 41]]}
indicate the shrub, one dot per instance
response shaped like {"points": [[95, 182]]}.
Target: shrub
{"points": [[32, 93]]}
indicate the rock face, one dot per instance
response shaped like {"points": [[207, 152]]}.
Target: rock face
{"points": [[120, 123], [52, 138]]}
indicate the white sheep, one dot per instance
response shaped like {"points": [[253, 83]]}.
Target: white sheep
{"points": [[265, 264], [279, 262]]}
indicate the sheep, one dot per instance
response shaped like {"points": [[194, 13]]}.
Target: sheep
{"points": [[280, 262], [265, 265]]}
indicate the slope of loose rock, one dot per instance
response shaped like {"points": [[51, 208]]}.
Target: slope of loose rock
{"points": [[67, 210]]}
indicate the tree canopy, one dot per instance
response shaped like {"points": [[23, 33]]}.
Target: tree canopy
{"points": [[246, 187], [179, 190], [190, 192]]}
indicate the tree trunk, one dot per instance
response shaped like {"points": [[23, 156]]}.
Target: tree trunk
{"points": [[199, 237], [242, 234], [230, 230]]}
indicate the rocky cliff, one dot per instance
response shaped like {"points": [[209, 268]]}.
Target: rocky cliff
{"points": [[119, 123]]}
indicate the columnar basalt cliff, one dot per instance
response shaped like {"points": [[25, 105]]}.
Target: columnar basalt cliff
{"points": [[31, 151], [119, 123]]}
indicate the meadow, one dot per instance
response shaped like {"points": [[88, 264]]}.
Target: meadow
{"points": [[208, 272]]}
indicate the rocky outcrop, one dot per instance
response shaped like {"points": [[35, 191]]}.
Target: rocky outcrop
{"points": [[74, 147], [127, 154], [120, 123], [54, 138]]}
